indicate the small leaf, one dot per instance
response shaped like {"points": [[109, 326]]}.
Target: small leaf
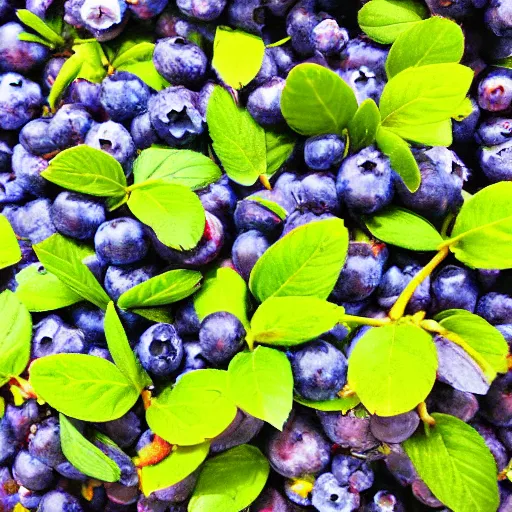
{"points": [[432, 41], [451, 448], [161, 290], [40, 290], [231, 481], [238, 141], [33, 21], [15, 336], [336, 404], [393, 368], [87, 170], [384, 20], [394, 226], [327, 103], [10, 252], [86, 457], [182, 462], [362, 129], [485, 221], [179, 166], [289, 321], [195, 410], [174, 212], [305, 262], [237, 56], [32, 38], [159, 315], [400, 156], [270, 205], [84, 387], [279, 146], [63, 257], [261, 383], [122, 353], [419, 98], [223, 290]]}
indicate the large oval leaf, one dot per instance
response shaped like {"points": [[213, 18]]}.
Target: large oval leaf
{"points": [[10, 252], [305, 262], [393, 368]]}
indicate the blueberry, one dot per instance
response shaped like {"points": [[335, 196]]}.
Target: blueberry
{"points": [[493, 443], [329, 496], [349, 431], [17, 55], [423, 494], [69, 126], [85, 93], [20, 418], [51, 71], [192, 358], [219, 199], [5, 156], [323, 152], [328, 38], [77, 216], [142, 131], [123, 96], [454, 287], [147, 9], [248, 15], [44, 444], [10, 189], [180, 491], [72, 13], [247, 249], [298, 490], [464, 130], [124, 431], [495, 161], [447, 400], [495, 90], [204, 10], [221, 336], [102, 352], [129, 476], [35, 137], [400, 465], [352, 472], [317, 193], [114, 139], [180, 62], [251, 215], [385, 501], [497, 404], [241, 430], [498, 17], [496, 308], [319, 371], [494, 131], [459, 9], [298, 450], [300, 22], [394, 429], [362, 271], [8, 445], [268, 68], [121, 241], [39, 7], [186, 320], [204, 97], [175, 116], [20, 101], [264, 103], [102, 14], [120, 279], [285, 58], [160, 350], [31, 472], [300, 218], [97, 266], [59, 501], [365, 181], [90, 320], [270, 500], [28, 168], [29, 499]]}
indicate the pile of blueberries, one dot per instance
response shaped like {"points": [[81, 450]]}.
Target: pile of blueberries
{"points": [[337, 454]]}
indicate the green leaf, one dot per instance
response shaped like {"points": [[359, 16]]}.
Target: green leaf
{"points": [[336, 404], [362, 129], [122, 353], [237, 56], [485, 221], [327, 103], [87, 170], [10, 252], [279, 146], [63, 258], [138, 59], [195, 410], [261, 383], [270, 205], [33, 21], [393, 368], [173, 211], [160, 315], [15, 336], [432, 41], [161, 290], [475, 334], [231, 481], [40, 290], [289, 321], [179, 166], [384, 20], [182, 462], [305, 262], [238, 140], [394, 226], [456, 451], [400, 156], [223, 290], [86, 457], [32, 38], [84, 387], [418, 101]]}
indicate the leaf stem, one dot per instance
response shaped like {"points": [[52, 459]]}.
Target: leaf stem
{"points": [[265, 182], [398, 309], [424, 415], [374, 322], [142, 184]]}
